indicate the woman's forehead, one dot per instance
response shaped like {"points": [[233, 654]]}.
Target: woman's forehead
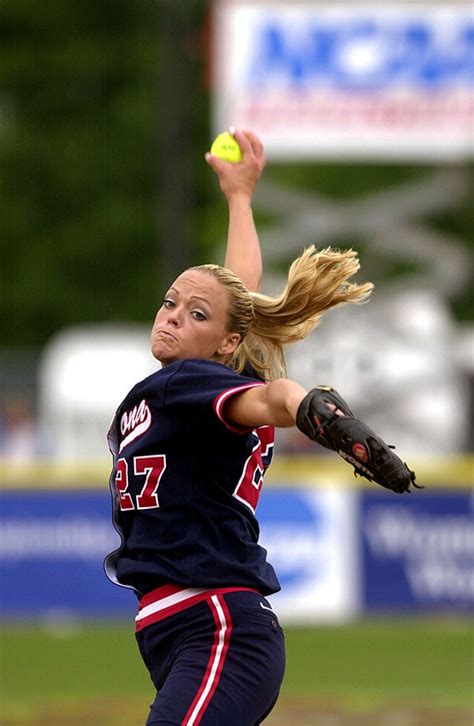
{"points": [[199, 283]]}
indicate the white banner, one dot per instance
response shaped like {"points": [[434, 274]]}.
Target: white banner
{"points": [[347, 80], [311, 540]]}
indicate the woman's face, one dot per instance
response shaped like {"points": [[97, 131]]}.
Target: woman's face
{"points": [[192, 322]]}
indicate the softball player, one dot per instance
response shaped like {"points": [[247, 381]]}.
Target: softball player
{"points": [[191, 444]]}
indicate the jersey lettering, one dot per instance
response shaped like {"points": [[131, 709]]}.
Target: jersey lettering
{"points": [[153, 468], [121, 482], [249, 486], [135, 423]]}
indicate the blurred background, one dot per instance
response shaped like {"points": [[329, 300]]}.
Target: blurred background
{"points": [[366, 112]]}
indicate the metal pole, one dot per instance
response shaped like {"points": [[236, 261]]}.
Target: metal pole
{"points": [[175, 197]]}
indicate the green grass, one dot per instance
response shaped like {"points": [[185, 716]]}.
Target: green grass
{"points": [[79, 661], [373, 661], [364, 664]]}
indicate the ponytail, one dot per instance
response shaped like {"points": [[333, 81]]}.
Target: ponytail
{"points": [[317, 281]]}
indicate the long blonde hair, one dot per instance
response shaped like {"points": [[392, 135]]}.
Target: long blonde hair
{"points": [[317, 281]]}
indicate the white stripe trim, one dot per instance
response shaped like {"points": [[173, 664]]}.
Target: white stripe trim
{"points": [[222, 398], [215, 665], [166, 602], [138, 431]]}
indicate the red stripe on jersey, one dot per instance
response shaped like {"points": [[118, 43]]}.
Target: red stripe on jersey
{"points": [[158, 594], [171, 599], [221, 399], [215, 664]]}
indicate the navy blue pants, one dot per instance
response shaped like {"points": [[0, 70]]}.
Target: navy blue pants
{"points": [[216, 657]]}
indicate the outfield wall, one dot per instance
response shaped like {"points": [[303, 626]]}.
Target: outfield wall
{"points": [[341, 548]]}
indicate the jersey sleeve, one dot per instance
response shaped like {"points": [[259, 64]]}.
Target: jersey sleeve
{"points": [[202, 388]]}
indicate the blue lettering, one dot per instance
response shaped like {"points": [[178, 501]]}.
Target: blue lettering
{"points": [[360, 56], [275, 57], [363, 54]]}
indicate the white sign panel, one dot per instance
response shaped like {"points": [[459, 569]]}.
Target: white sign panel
{"points": [[347, 80], [85, 372], [310, 537]]}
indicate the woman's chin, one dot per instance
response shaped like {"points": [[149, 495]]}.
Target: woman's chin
{"points": [[158, 353], [161, 355]]}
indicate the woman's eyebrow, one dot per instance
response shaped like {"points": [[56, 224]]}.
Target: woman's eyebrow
{"points": [[192, 297], [201, 299]]}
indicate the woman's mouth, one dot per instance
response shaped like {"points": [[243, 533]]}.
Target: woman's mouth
{"points": [[166, 334]]}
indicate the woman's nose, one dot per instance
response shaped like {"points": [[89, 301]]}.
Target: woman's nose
{"points": [[174, 316]]}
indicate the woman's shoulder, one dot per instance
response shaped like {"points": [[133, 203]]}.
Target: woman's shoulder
{"points": [[204, 364], [197, 370], [211, 367], [250, 372]]}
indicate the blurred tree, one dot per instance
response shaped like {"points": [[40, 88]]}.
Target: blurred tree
{"points": [[87, 170]]}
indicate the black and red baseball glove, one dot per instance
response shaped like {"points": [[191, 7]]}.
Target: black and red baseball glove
{"points": [[325, 417]]}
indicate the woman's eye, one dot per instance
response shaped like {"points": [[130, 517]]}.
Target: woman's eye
{"points": [[168, 303], [198, 315]]}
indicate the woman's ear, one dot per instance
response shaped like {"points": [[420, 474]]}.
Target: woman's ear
{"points": [[229, 344]]}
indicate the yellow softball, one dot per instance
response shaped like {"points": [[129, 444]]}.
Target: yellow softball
{"points": [[227, 148]]}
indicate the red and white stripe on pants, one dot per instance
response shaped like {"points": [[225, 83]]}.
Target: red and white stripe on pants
{"points": [[171, 599]]}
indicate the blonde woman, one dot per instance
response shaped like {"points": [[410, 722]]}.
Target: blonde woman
{"points": [[191, 444]]}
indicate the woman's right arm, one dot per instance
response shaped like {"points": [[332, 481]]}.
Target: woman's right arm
{"points": [[238, 181]]}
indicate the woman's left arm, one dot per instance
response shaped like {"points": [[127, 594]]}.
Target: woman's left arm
{"points": [[238, 181], [272, 404]]}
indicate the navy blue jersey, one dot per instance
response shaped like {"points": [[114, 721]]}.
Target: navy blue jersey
{"points": [[186, 482]]}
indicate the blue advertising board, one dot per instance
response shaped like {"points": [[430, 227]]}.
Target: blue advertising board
{"points": [[52, 545], [417, 551]]}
